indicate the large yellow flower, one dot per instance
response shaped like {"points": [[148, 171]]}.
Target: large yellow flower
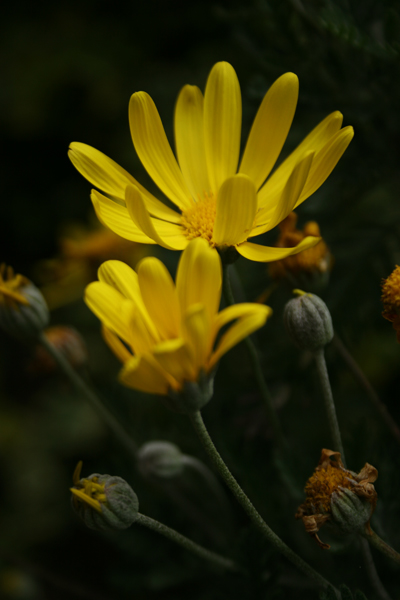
{"points": [[166, 335], [216, 200]]}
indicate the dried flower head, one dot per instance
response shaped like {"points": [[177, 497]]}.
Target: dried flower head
{"points": [[328, 486], [314, 261], [68, 341], [391, 299]]}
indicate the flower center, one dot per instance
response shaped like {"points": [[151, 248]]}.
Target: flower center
{"points": [[322, 484], [198, 221]]}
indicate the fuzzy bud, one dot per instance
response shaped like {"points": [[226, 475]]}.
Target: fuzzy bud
{"points": [[23, 310], [308, 322], [350, 513], [104, 502], [160, 459]]}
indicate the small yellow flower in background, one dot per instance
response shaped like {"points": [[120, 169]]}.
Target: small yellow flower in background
{"points": [[169, 333], [336, 495], [391, 299], [82, 250], [313, 261], [220, 200]]}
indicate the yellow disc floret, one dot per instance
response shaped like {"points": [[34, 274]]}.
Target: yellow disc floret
{"points": [[321, 485], [198, 221]]}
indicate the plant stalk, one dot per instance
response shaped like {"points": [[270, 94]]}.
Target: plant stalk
{"points": [[178, 538], [247, 505]]}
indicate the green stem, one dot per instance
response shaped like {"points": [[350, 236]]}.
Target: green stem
{"points": [[372, 573], [329, 403], [382, 546], [174, 536], [93, 399], [365, 384], [247, 505], [255, 361]]}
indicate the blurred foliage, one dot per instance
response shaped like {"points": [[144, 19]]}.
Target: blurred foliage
{"points": [[67, 72]]}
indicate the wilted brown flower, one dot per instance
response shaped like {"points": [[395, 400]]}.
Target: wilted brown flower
{"points": [[313, 261], [335, 494], [68, 342], [391, 299]]}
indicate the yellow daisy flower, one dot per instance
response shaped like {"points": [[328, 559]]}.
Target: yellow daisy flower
{"points": [[217, 201], [166, 335]]}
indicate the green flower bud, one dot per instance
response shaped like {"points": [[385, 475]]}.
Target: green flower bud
{"points": [[350, 513], [308, 321], [23, 310], [160, 459], [193, 396], [104, 502]]}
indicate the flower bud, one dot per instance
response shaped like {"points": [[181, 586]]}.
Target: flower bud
{"points": [[350, 513], [160, 459], [193, 395], [308, 321], [104, 502], [23, 310], [68, 342]]}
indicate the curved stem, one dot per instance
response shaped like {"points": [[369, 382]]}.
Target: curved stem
{"points": [[365, 384], [247, 505], [92, 398], [255, 361], [372, 572], [329, 403], [171, 534], [382, 546]]}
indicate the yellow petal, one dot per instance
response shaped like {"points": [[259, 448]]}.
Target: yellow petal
{"points": [[120, 276], [189, 140], [159, 295], [116, 217], [115, 344], [176, 358], [326, 160], [154, 151], [113, 310], [245, 325], [199, 277], [124, 279], [270, 128], [236, 209], [289, 197], [141, 218], [222, 123], [267, 253], [144, 374], [238, 311], [314, 142], [109, 177], [197, 332]]}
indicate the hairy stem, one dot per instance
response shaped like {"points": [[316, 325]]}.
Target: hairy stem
{"points": [[90, 395], [247, 505], [178, 538]]}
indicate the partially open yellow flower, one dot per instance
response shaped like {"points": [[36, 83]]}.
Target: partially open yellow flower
{"points": [[166, 335], [218, 200]]}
